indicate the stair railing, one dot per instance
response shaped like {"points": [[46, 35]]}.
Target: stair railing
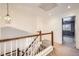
{"points": [[26, 51]]}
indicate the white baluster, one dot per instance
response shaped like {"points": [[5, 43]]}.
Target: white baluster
{"points": [[11, 48], [20, 43], [4, 48], [34, 48], [27, 47], [35, 43], [16, 47], [24, 46], [26, 43], [31, 50]]}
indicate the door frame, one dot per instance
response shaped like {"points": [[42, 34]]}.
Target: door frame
{"points": [[74, 29]]}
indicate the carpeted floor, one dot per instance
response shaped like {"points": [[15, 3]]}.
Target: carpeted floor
{"points": [[62, 50]]}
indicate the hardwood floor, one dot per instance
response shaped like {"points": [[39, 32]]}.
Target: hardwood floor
{"points": [[62, 50]]}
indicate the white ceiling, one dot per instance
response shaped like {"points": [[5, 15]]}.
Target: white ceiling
{"points": [[50, 6], [47, 7], [62, 8]]}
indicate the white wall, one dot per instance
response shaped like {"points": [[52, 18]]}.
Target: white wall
{"points": [[24, 17], [54, 22]]}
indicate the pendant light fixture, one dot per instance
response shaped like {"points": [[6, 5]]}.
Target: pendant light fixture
{"points": [[7, 17]]}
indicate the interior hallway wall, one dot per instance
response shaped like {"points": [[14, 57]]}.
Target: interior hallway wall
{"points": [[54, 23], [24, 17]]}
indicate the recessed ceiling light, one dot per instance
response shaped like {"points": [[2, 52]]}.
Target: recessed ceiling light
{"points": [[68, 7]]}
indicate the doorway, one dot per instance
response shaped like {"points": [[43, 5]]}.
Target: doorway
{"points": [[68, 31]]}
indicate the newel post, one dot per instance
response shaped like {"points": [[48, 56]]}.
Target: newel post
{"points": [[52, 37], [40, 34]]}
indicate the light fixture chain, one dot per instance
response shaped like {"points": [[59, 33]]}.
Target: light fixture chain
{"points": [[7, 9]]}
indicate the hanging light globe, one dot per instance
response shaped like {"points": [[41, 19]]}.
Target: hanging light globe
{"points": [[7, 17]]}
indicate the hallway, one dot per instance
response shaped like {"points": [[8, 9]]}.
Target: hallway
{"points": [[69, 41], [62, 50]]}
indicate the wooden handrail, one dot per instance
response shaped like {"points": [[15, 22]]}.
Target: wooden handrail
{"points": [[21, 37]]}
